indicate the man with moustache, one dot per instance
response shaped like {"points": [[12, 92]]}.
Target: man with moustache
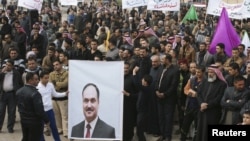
{"points": [[203, 57], [92, 126], [209, 95], [166, 91], [153, 119], [59, 77]]}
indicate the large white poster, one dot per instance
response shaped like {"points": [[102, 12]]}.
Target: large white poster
{"points": [[236, 9], [164, 5], [31, 4], [133, 3], [95, 100], [69, 2]]}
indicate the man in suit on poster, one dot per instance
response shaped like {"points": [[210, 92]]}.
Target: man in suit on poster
{"points": [[92, 126]]}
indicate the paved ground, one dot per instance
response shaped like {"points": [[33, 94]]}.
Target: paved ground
{"points": [[17, 135]]}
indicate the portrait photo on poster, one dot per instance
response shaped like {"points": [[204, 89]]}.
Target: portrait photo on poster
{"points": [[95, 100]]}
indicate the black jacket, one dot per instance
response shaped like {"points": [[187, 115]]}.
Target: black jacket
{"points": [[6, 29], [30, 105], [17, 81], [237, 100], [81, 55], [169, 82], [101, 130], [145, 65]]}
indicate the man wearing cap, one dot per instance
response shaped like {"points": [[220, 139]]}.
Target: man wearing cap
{"points": [[209, 95]]}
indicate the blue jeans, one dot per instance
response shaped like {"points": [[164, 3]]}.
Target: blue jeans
{"points": [[52, 125]]}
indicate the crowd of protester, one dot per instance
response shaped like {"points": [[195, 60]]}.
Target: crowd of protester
{"points": [[167, 66]]}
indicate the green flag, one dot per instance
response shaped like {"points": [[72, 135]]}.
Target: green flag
{"points": [[191, 15]]}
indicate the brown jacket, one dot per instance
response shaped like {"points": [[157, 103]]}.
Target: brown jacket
{"points": [[188, 54], [60, 80]]}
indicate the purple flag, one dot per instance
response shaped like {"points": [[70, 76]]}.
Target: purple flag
{"points": [[225, 33]]}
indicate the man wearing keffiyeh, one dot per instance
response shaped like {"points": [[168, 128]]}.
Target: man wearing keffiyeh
{"points": [[209, 94]]}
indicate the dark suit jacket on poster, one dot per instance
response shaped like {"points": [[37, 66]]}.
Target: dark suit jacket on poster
{"points": [[102, 130]]}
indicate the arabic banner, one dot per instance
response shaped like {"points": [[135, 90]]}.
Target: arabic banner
{"points": [[95, 96], [86, 1], [239, 9], [133, 3], [164, 5], [188, 1], [69, 2], [197, 4], [246, 41], [31, 4]]}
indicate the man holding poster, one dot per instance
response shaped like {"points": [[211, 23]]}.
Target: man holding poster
{"points": [[92, 126]]}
